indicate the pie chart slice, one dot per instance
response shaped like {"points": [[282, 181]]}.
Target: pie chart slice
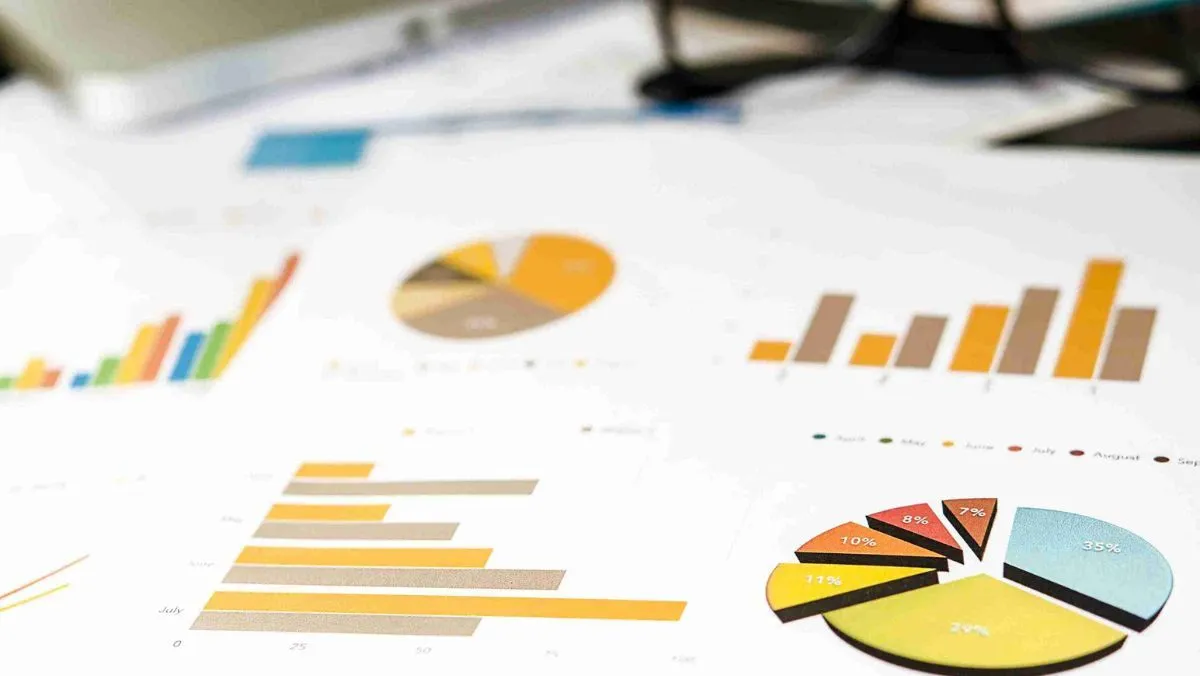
{"points": [[975, 625], [918, 525], [854, 544], [488, 289], [1089, 563], [799, 590]]}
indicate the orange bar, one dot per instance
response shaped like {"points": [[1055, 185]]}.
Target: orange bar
{"points": [[327, 513], [370, 557], [335, 470], [285, 276], [980, 339], [158, 351], [462, 606], [50, 378], [1097, 294], [770, 350], [873, 349]]}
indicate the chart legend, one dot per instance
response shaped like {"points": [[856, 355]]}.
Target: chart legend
{"points": [[502, 287], [1103, 340], [160, 352], [357, 545], [890, 603]]}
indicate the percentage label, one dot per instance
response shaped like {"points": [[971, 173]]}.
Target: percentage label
{"points": [[859, 541], [831, 580], [1102, 547], [968, 629], [971, 511], [919, 520]]}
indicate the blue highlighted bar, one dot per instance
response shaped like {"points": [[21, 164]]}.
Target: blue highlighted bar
{"points": [[309, 149], [187, 357], [80, 381]]}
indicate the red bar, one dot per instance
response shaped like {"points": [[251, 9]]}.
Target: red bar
{"points": [[154, 359], [285, 276], [50, 378]]}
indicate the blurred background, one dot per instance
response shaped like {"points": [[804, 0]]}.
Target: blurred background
{"points": [[1112, 73]]}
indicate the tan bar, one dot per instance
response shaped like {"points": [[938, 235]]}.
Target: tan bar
{"points": [[335, 623], [321, 530], [1028, 334], [921, 342], [824, 329], [1130, 341], [428, 578], [388, 488]]}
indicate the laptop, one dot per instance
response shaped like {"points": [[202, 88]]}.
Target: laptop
{"points": [[122, 63]]}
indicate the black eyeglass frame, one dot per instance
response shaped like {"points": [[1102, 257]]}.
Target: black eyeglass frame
{"points": [[879, 49]]}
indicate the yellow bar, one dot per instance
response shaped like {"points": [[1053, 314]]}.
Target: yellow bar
{"points": [[33, 375], [873, 349], [133, 363], [335, 470], [980, 339], [464, 606], [327, 513], [256, 303], [325, 556], [770, 350], [1085, 334]]}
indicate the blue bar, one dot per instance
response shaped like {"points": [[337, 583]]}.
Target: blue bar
{"points": [[187, 357], [309, 149], [80, 381]]}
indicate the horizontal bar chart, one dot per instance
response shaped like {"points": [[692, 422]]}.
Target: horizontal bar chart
{"points": [[314, 623], [327, 556], [994, 338], [202, 355], [397, 488], [432, 578], [460, 606], [327, 512], [402, 576], [325, 530]]}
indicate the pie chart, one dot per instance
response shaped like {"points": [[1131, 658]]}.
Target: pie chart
{"points": [[494, 288], [877, 587]]}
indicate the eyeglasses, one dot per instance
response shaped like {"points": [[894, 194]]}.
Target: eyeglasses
{"points": [[1148, 48]]}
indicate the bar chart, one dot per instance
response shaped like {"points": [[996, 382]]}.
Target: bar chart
{"points": [[200, 356], [266, 571], [1102, 340]]}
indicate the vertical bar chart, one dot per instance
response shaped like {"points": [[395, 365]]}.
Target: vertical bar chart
{"points": [[1028, 334], [199, 356], [824, 330], [980, 339], [1130, 341], [437, 573], [921, 342], [158, 352], [995, 338], [1085, 334], [873, 349]]}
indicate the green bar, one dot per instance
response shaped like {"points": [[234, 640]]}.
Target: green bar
{"points": [[107, 371], [208, 361], [6, 383]]}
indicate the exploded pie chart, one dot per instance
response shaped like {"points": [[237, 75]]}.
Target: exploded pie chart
{"points": [[877, 588], [493, 288]]}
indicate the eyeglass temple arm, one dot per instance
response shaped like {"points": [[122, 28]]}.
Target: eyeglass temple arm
{"points": [[664, 21]]}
